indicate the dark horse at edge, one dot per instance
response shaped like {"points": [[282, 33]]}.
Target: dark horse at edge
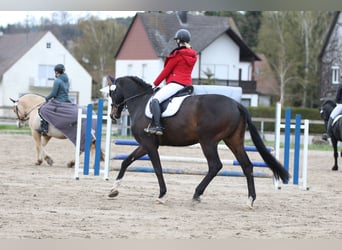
{"points": [[325, 110], [204, 119]]}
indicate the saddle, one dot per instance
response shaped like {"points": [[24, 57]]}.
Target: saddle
{"points": [[336, 119], [170, 106]]}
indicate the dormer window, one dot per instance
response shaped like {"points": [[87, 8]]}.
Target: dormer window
{"points": [[335, 70], [48, 45]]}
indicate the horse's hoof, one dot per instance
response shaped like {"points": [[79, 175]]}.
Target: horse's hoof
{"points": [[161, 200], [49, 160], [250, 202], [113, 193], [38, 163], [196, 199], [70, 164], [334, 168]]}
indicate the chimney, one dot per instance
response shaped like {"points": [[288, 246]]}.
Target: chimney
{"points": [[183, 16]]}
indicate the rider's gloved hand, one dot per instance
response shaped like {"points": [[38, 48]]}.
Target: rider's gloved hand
{"points": [[155, 89]]}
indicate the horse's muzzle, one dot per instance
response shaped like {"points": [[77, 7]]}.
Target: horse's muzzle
{"points": [[114, 114]]}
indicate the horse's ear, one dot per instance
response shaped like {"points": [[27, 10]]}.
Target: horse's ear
{"points": [[14, 101], [110, 80]]}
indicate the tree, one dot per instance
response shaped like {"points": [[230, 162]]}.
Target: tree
{"points": [[292, 41], [96, 47], [248, 23], [274, 41], [310, 34]]}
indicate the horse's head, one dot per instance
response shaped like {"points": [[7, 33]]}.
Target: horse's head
{"points": [[117, 99], [326, 109], [123, 90], [26, 104], [20, 113]]}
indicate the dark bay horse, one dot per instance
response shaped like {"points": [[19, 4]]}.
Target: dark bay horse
{"points": [[325, 110], [204, 119]]}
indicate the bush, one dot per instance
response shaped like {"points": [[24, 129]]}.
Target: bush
{"points": [[270, 112]]}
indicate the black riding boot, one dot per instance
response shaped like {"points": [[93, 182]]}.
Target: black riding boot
{"points": [[156, 127], [328, 134], [44, 127]]}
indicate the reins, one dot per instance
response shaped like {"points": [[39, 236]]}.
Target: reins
{"points": [[123, 103], [26, 114]]}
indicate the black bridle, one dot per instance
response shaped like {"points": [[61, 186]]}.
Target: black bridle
{"points": [[122, 104], [24, 117]]}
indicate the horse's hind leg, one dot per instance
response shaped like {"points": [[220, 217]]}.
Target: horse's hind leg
{"points": [[237, 147], [214, 166], [136, 154], [45, 156]]}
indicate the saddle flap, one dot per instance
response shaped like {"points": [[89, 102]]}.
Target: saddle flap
{"points": [[172, 106], [336, 119]]}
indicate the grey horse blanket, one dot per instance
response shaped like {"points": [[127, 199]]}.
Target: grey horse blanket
{"points": [[63, 116]]}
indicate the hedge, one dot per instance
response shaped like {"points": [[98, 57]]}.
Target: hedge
{"points": [[269, 112]]}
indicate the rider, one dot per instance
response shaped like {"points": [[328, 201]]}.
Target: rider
{"points": [[176, 73], [59, 93], [336, 111]]}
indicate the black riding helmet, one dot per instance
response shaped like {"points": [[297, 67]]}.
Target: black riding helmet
{"points": [[59, 68], [183, 35]]}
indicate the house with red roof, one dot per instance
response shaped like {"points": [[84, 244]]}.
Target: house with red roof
{"points": [[223, 57]]}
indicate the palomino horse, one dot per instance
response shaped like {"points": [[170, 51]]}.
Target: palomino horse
{"points": [[204, 119], [26, 109], [325, 110]]}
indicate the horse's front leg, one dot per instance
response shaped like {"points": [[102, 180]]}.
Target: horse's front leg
{"points": [[136, 154], [334, 144], [155, 159], [37, 141]]}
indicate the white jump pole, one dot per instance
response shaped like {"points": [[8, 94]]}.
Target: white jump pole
{"points": [[108, 140], [277, 139], [78, 143], [305, 154]]}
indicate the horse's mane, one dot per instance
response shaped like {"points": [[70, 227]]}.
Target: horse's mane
{"points": [[33, 94], [140, 81], [329, 102]]}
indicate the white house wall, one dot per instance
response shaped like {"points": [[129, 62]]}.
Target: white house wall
{"points": [[16, 80], [222, 58], [148, 70]]}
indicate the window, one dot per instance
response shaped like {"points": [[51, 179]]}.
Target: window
{"points": [[246, 102], [48, 45], [335, 70], [143, 70], [46, 75], [129, 69]]}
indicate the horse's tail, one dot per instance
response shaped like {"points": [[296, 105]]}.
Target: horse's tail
{"points": [[276, 167]]}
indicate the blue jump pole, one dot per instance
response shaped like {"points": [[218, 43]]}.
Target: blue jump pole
{"points": [[98, 137], [135, 143], [147, 158], [296, 150], [87, 142], [191, 172], [287, 139]]}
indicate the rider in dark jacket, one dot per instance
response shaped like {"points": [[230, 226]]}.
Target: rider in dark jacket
{"points": [[336, 111], [59, 93]]}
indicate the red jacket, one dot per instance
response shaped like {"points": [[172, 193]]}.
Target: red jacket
{"points": [[178, 67]]}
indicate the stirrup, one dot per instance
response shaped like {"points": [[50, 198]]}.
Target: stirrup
{"points": [[42, 131], [325, 137], [154, 130]]}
